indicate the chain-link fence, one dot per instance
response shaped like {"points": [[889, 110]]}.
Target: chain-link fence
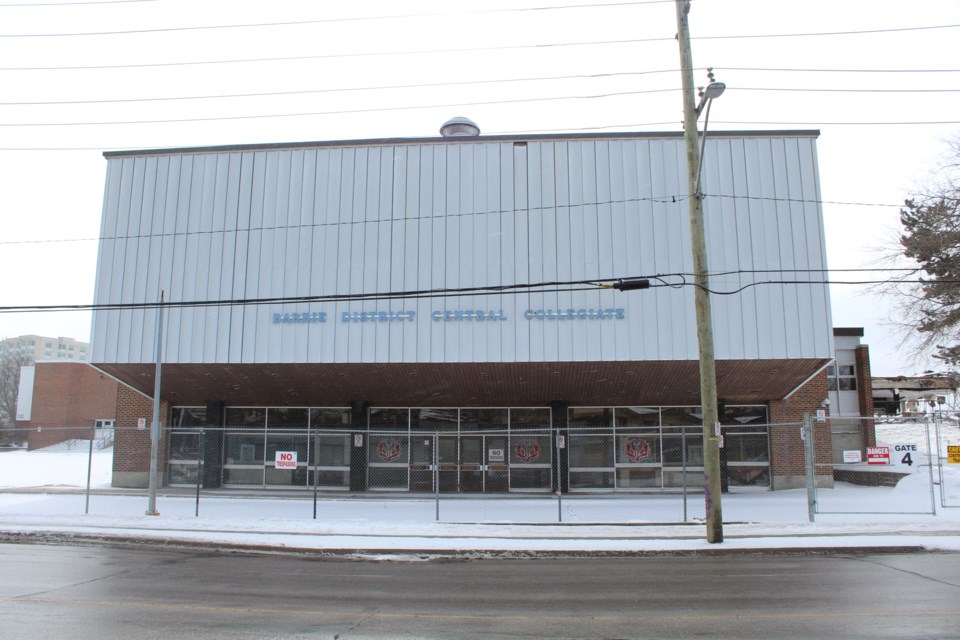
{"points": [[585, 475], [875, 467]]}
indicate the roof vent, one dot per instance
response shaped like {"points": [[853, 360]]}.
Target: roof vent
{"points": [[459, 127]]}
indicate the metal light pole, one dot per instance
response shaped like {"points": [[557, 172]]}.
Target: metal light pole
{"points": [[708, 373], [155, 423]]}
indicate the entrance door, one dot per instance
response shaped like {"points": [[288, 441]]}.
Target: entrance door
{"points": [[421, 462], [473, 464]]}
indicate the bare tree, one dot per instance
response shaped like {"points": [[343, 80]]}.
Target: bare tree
{"points": [[10, 364]]}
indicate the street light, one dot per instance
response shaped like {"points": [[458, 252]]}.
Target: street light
{"points": [[698, 247]]}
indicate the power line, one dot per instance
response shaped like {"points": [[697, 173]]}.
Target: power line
{"points": [[334, 112], [587, 76], [452, 84], [328, 56], [69, 4], [257, 25], [594, 284], [461, 50], [668, 199], [801, 70]]}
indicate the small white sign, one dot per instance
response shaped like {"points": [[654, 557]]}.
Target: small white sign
{"points": [[358, 439], [850, 457], [495, 455], [821, 415], [561, 442], [141, 423], [286, 460], [904, 456]]}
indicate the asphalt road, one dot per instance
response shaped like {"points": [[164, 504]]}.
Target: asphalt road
{"points": [[104, 593]]}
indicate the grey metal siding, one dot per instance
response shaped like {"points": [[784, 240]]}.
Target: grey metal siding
{"points": [[370, 219]]}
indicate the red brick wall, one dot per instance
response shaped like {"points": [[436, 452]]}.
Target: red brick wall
{"points": [[131, 451], [68, 394], [786, 418], [865, 394]]}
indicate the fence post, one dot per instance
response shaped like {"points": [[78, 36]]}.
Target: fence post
{"points": [[436, 473], [806, 432], [200, 450], [933, 494], [316, 471], [93, 434], [683, 459]]}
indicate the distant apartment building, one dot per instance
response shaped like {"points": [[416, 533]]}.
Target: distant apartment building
{"points": [[41, 348]]}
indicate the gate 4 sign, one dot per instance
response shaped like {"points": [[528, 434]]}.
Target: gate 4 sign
{"points": [[904, 455], [285, 460], [878, 455]]}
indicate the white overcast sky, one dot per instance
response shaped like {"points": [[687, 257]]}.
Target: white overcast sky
{"points": [[71, 87]]}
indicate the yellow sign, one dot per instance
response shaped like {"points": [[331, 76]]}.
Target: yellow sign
{"points": [[953, 454]]}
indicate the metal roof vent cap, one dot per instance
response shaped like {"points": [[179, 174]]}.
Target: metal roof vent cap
{"points": [[459, 127]]}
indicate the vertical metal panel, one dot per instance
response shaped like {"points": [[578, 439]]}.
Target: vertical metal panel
{"points": [[369, 219]]}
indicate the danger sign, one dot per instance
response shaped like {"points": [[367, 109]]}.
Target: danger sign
{"points": [[953, 454], [286, 460], [878, 455]]}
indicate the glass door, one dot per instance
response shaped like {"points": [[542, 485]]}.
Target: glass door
{"points": [[449, 458], [421, 462], [471, 464], [497, 473]]}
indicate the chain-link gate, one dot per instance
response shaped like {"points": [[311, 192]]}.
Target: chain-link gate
{"points": [[947, 434], [895, 475]]}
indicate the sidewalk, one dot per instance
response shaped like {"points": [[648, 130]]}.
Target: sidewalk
{"points": [[413, 540]]}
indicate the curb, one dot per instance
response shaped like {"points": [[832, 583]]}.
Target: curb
{"points": [[177, 544]]}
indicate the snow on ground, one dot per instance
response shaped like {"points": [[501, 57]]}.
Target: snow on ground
{"points": [[43, 492]]}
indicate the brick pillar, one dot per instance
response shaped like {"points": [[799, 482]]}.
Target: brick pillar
{"points": [[131, 447], [865, 394], [786, 447]]}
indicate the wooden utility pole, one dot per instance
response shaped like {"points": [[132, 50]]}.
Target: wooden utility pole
{"points": [[708, 373]]}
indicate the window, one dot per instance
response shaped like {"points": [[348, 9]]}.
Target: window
{"points": [[842, 377]]}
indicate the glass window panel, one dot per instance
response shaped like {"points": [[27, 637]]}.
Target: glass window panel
{"points": [[831, 384], [244, 448], [591, 450], [746, 447], [681, 416], [252, 475], [433, 419], [182, 474], [529, 418], [184, 446], [246, 417], [286, 418], [188, 417], [637, 417], [744, 414], [641, 447], [589, 417], [483, 419], [848, 384], [332, 451], [532, 449], [388, 449], [637, 478], [387, 477], [847, 370], [748, 476], [389, 419], [591, 479], [330, 419], [674, 439], [530, 478]]}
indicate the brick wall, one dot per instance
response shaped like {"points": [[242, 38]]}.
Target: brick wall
{"points": [[786, 447], [131, 451], [67, 398], [865, 394]]}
